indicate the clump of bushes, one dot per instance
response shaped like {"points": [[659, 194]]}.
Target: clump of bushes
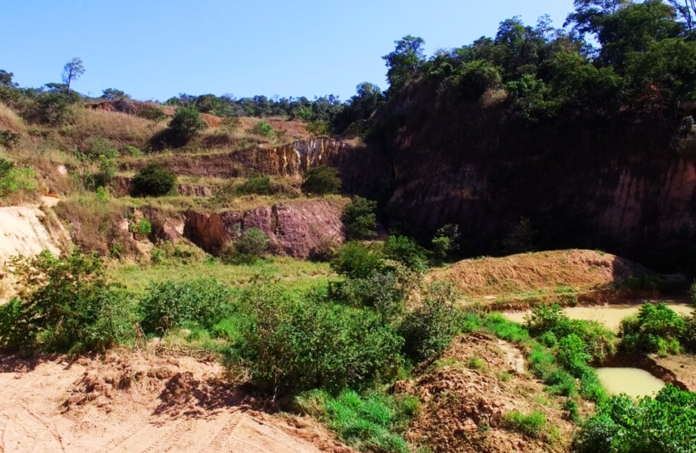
{"points": [[360, 220], [665, 423], [186, 123], [68, 307], [263, 129], [321, 181], [656, 328], [358, 261], [247, 249], [257, 184], [154, 180], [531, 425], [13, 178]]}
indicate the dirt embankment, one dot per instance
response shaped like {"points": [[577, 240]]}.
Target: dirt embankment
{"points": [[141, 403], [570, 276], [466, 394]]}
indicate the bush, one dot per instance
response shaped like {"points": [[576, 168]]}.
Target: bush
{"points": [[68, 306], [359, 261], [247, 249], [360, 220], [431, 327], [13, 178], [383, 292], [257, 184], [186, 122], [300, 342], [665, 423], [131, 151], [657, 328], [446, 240], [407, 252], [321, 181], [317, 128], [201, 303], [54, 109], [263, 129], [373, 422], [153, 180]]}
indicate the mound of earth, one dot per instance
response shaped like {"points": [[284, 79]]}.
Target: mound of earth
{"points": [[466, 394], [137, 402], [538, 272]]}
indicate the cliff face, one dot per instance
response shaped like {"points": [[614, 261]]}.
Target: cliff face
{"points": [[621, 189]]}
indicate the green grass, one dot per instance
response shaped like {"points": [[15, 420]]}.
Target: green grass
{"points": [[297, 274], [530, 425]]}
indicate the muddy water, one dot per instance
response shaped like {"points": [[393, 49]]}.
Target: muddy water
{"points": [[610, 315], [632, 381]]}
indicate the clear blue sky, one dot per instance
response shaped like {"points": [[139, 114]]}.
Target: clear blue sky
{"points": [[155, 49]]}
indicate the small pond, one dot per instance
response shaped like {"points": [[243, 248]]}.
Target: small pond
{"points": [[632, 381], [609, 315]]}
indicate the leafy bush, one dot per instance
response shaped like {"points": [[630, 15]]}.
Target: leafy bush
{"points": [[54, 108], [257, 184], [186, 122], [68, 306], [531, 425], [13, 178], [153, 180], [406, 251], [199, 302], [321, 181], [247, 249], [300, 342], [356, 260], [665, 423], [657, 328], [263, 129], [431, 327], [446, 240], [373, 422], [360, 220], [317, 128]]}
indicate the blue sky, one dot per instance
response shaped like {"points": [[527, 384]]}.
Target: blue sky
{"points": [[155, 49]]}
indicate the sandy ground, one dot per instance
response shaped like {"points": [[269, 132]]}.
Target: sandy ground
{"points": [[139, 403]]}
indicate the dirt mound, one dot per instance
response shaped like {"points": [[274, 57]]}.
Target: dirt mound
{"points": [[137, 402], [532, 272], [466, 394]]}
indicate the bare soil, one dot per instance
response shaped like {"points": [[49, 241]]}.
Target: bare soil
{"points": [[463, 406], [137, 402]]}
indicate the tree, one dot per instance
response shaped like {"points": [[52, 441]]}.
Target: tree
{"points": [[72, 71], [360, 220], [6, 79], [112, 94], [404, 62], [187, 122]]}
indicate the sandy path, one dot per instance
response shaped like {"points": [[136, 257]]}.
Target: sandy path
{"points": [[34, 415]]}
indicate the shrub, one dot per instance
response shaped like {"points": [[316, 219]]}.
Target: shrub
{"points": [[368, 423], [502, 327], [152, 113], [657, 328], [140, 229], [356, 260], [300, 342], [131, 151], [247, 249], [257, 184], [446, 240], [383, 292], [317, 128], [54, 109], [186, 122], [153, 180], [199, 302], [263, 129], [665, 423], [68, 306], [406, 251], [430, 328], [13, 178], [321, 181], [360, 220], [530, 425]]}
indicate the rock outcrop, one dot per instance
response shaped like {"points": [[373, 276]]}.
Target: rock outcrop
{"points": [[300, 229]]}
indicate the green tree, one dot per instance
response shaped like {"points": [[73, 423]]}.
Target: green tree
{"points": [[360, 220], [72, 71], [321, 181], [112, 94], [404, 62], [154, 180], [186, 122]]}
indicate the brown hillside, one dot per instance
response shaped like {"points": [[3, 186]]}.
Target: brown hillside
{"points": [[517, 274]]}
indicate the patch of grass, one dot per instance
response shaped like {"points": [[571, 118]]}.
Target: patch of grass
{"points": [[531, 425], [476, 363]]}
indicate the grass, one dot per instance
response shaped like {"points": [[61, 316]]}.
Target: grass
{"points": [[119, 127], [299, 275], [530, 425]]}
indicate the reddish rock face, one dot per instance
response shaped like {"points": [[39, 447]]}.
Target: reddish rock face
{"points": [[299, 229]]}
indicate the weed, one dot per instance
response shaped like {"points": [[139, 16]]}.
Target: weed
{"points": [[530, 425]]}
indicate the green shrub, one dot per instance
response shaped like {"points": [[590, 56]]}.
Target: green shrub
{"points": [[321, 181], [257, 184], [665, 423], [13, 178], [186, 122], [358, 261], [531, 425], [503, 328], [247, 249], [68, 306], [300, 342], [431, 327], [446, 240], [657, 328], [152, 113], [373, 422], [54, 109], [360, 220], [406, 251], [140, 229], [131, 151], [263, 129], [317, 128], [153, 180], [383, 292], [199, 302]]}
